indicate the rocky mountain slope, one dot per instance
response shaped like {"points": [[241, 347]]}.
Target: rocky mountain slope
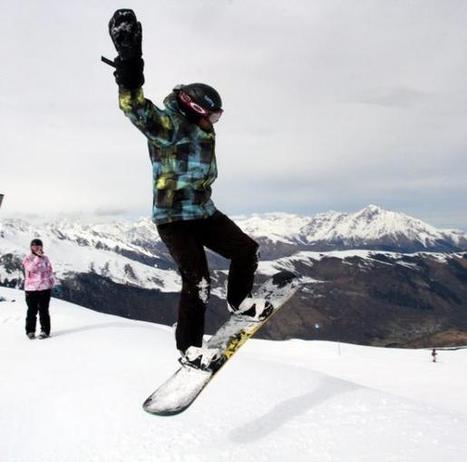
{"points": [[373, 277]]}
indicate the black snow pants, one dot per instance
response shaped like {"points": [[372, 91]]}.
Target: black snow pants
{"points": [[185, 241], [38, 302]]}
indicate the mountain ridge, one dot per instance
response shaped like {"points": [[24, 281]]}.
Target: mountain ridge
{"points": [[372, 277], [370, 227]]}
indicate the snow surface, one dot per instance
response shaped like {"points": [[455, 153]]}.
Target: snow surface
{"points": [[77, 397]]}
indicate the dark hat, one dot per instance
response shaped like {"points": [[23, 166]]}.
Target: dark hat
{"points": [[36, 242], [197, 100]]}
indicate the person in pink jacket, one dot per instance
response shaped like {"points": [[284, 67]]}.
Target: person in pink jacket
{"points": [[38, 284]]}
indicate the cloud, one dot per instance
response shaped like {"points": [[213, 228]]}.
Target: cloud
{"points": [[111, 211], [327, 103], [395, 96]]}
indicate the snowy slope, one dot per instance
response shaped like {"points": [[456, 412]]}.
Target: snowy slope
{"points": [[77, 397], [368, 257], [80, 248]]}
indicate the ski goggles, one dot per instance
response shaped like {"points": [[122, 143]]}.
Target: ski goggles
{"points": [[212, 116]]}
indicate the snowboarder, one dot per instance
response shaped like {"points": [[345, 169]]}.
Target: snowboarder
{"points": [[434, 354], [38, 284], [181, 140]]}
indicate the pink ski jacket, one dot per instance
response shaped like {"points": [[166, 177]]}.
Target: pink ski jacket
{"points": [[38, 272]]}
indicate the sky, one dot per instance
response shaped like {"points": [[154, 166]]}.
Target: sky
{"points": [[328, 105]]}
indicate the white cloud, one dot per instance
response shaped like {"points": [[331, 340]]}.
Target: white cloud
{"points": [[328, 103]]}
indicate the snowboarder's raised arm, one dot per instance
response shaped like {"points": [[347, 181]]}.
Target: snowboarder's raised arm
{"points": [[147, 117], [126, 34]]}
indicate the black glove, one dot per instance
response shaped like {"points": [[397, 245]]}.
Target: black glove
{"points": [[126, 35], [129, 73]]}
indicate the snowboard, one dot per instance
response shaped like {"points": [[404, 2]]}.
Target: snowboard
{"points": [[184, 386]]}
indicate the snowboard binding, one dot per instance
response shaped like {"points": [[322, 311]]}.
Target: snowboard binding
{"points": [[253, 309], [204, 359]]}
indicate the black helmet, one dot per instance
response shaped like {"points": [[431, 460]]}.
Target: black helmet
{"points": [[198, 100], [36, 242]]}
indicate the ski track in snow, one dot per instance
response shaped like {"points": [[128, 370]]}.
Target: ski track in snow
{"points": [[77, 397]]}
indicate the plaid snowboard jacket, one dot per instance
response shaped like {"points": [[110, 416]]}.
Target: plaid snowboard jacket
{"points": [[182, 156]]}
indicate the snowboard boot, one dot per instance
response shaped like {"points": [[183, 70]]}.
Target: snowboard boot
{"points": [[201, 358], [43, 335], [31, 335], [253, 309]]}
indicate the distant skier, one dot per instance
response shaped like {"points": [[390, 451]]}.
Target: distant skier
{"points": [[38, 284], [434, 354], [181, 142]]}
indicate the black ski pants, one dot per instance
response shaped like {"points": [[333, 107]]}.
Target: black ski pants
{"points": [[185, 241], [38, 302]]}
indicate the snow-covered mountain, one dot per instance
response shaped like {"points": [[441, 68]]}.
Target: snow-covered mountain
{"points": [[78, 395], [369, 228], [128, 253], [133, 254], [364, 294]]}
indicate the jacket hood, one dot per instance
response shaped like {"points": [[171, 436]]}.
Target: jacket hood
{"points": [[171, 103]]}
